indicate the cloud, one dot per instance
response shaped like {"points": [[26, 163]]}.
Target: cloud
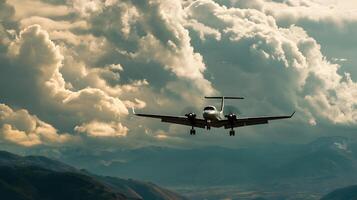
{"points": [[80, 69], [135, 29], [49, 24], [293, 11], [203, 30], [7, 11], [24, 129], [7, 24], [35, 55], [65, 86], [286, 59], [99, 129], [38, 8]]}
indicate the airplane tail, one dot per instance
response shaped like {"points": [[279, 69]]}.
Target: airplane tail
{"points": [[222, 99]]}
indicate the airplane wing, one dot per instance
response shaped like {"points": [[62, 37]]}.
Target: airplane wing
{"points": [[182, 120], [250, 121]]}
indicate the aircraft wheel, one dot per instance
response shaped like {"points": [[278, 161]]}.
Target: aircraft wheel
{"points": [[192, 132], [231, 133]]}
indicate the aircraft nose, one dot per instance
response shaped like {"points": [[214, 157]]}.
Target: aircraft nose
{"points": [[208, 113]]}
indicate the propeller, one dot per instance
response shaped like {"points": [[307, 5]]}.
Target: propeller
{"points": [[190, 115]]}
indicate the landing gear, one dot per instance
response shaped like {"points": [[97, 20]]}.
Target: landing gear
{"points": [[232, 133], [208, 124], [192, 131]]}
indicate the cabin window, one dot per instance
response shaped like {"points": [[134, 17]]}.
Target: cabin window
{"points": [[209, 108]]}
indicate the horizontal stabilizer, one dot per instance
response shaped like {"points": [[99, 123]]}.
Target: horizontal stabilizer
{"points": [[224, 97]]}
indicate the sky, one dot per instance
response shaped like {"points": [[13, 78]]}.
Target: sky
{"points": [[71, 71]]}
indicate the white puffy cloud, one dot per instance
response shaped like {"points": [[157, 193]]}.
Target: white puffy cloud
{"points": [[78, 76], [313, 82], [100, 129], [80, 69], [36, 55], [293, 11], [203, 30], [135, 29], [24, 129], [86, 7]]}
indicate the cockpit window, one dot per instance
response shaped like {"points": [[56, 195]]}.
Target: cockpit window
{"points": [[209, 108]]}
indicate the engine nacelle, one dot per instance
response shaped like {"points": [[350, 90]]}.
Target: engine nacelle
{"points": [[231, 117], [191, 115]]}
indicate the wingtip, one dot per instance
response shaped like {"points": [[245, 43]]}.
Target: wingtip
{"points": [[292, 114]]}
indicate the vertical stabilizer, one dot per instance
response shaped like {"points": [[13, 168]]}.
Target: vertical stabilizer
{"points": [[222, 100], [222, 104]]}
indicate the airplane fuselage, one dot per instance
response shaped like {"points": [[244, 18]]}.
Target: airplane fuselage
{"points": [[211, 114]]}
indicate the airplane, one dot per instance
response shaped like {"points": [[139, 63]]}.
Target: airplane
{"points": [[214, 118]]}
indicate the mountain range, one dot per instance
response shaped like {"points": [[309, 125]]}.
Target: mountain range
{"points": [[312, 169], [272, 172], [37, 178]]}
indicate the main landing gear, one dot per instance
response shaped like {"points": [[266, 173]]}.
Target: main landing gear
{"points": [[192, 131], [232, 132]]}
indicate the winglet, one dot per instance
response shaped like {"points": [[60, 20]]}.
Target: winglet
{"points": [[292, 114]]}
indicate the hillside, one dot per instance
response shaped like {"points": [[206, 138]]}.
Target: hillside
{"points": [[32, 183], [325, 158], [347, 193], [288, 170], [36, 178]]}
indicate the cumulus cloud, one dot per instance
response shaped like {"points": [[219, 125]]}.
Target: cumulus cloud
{"points": [[24, 129], [138, 28], [311, 81], [35, 55], [100, 129], [81, 68], [293, 11]]}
